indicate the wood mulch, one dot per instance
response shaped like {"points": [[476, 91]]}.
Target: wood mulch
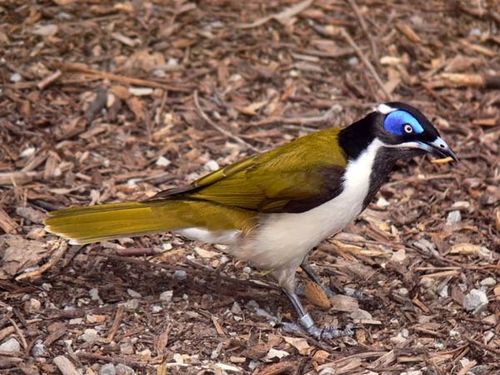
{"points": [[114, 100]]}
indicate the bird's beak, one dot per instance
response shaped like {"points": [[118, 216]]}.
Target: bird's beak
{"points": [[438, 147]]}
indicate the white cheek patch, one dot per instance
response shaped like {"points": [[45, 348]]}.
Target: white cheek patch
{"points": [[385, 109]]}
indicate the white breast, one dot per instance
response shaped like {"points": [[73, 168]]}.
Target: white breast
{"points": [[285, 239]]}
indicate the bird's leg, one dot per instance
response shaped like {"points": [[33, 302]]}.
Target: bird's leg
{"points": [[307, 323], [306, 267], [286, 280]]}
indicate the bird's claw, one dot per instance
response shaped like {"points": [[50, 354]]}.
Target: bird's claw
{"points": [[325, 333], [329, 333]]}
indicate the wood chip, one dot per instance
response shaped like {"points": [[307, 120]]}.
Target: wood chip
{"points": [[65, 365], [408, 32], [344, 303], [300, 344], [7, 224]]}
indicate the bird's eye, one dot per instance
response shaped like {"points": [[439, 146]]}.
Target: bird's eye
{"points": [[408, 129]]}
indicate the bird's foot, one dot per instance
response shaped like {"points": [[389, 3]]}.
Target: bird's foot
{"points": [[329, 333], [307, 325]]}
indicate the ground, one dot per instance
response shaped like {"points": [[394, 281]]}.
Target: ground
{"points": [[104, 101]]}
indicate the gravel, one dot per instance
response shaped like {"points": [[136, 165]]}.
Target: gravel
{"points": [[475, 300], [108, 369], [10, 346]]}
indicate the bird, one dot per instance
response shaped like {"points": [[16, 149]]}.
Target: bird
{"points": [[273, 208]]}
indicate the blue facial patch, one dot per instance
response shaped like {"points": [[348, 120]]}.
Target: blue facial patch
{"points": [[395, 121]]}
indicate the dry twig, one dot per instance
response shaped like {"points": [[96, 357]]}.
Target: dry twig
{"points": [[79, 68], [205, 117], [365, 61], [362, 22]]}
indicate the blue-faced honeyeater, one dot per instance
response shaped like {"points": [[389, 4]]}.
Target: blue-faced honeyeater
{"points": [[273, 208]]}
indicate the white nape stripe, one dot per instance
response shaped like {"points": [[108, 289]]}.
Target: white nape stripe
{"points": [[385, 109]]}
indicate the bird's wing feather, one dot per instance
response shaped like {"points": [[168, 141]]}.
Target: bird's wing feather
{"points": [[292, 178]]}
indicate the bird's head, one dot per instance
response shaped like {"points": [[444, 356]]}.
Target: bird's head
{"points": [[405, 128]]}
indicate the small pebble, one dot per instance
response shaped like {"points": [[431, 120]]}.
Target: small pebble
{"points": [[276, 353], [247, 269], [108, 369], [163, 162], [439, 345], [443, 291], [160, 73], [489, 281], [211, 165], [403, 292], [26, 153], [167, 296], [252, 305], [94, 294], [399, 256], [47, 287], [145, 353], [475, 32], [32, 306], [122, 369], [417, 20], [401, 337], [131, 304], [475, 300], [95, 318], [155, 309], [166, 246], [180, 275], [353, 61], [454, 333], [10, 346], [254, 364], [361, 314], [127, 348], [172, 61], [132, 293], [75, 321], [89, 336], [454, 217], [16, 77], [236, 308], [38, 349], [382, 202]]}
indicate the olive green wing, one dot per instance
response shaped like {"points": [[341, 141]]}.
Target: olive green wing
{"points": [[292, 178]]}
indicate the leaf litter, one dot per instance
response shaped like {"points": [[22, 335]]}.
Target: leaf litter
{"points": [[115, 101]]}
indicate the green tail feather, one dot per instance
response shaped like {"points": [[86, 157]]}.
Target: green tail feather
{"points": [[109, 221]]}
